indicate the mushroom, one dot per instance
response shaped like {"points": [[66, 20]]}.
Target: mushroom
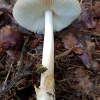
{"points": [[46, 16]]}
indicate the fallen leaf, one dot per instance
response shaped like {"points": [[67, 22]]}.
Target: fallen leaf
{"points": [[85, 59], [96, 9], [97, 29], [14, 55], [35, 43], [96, 65], [88, 49], [2, 51], [11, 38], [69, 40], [85, 84], [87, 17], [78, 50]]}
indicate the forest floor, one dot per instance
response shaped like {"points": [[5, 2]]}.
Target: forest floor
{"points": [[77, 56]]}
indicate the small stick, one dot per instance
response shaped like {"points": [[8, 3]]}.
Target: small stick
{"points": [[22, 53], [5, 82], [63, 54], [1, 65]]}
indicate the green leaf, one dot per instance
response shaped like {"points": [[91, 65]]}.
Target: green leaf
{"points": [[41, 69]]}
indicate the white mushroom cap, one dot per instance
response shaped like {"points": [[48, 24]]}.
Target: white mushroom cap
{"points": [[30, 13]]}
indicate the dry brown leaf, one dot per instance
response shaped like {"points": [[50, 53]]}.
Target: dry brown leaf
{"points": [[85, 85], [69, 40], [10, 38], [87, 17], [58, 46], [85, 59], [2, 51], [78, 50], [97, 29], [96, 8], [80, 44], [96, 65], [35, 43], [14, 55], [90, 47]]}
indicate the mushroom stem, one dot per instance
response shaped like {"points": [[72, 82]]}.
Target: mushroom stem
{"points": [[46, 90], [48, 48]]}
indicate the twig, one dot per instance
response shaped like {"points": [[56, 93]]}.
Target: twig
{"points": [[22, 53], [5, 82], [63, 54], [2, 59], [17, 97], [1, 65]]}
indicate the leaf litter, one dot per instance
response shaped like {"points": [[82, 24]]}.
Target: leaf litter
{"points": [[77, 56]]}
